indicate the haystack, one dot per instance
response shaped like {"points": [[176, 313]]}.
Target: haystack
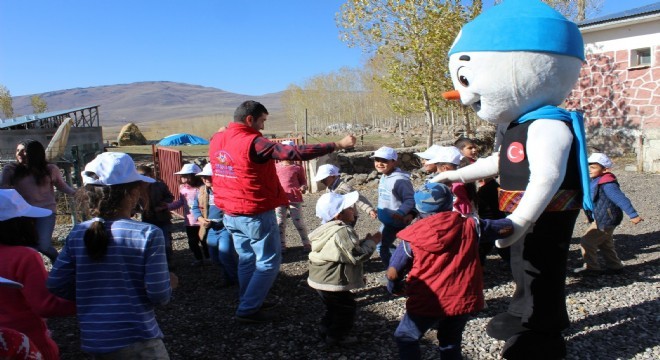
{"points": [[130, 135]]}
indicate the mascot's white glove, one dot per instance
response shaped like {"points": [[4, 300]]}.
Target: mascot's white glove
{"points": [[481, 169], [521, 228]]}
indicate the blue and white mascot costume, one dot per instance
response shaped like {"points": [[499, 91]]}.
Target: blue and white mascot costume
{"points": [[514, 64]]}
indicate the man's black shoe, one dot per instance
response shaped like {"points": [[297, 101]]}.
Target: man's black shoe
{"points": [[267, 305], [256, 318], [614, 271]]}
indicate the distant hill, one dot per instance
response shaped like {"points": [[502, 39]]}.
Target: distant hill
{"points": [[151, 101]]}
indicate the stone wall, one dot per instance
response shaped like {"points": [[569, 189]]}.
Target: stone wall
{"points": [[357, 168], [621, 105]]}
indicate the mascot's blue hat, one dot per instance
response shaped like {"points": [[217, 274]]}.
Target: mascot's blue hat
{"points": [[521, 25]]}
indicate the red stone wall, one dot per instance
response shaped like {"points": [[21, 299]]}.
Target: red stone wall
{"points": [[617, 100]]}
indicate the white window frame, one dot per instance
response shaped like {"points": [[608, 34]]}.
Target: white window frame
{"points": [[636, 55]]}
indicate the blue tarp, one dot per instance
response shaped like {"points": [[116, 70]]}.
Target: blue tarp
{"points": [[182, 139]]}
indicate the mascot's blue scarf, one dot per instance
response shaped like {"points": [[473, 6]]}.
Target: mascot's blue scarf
{"points": [[575, 118]]}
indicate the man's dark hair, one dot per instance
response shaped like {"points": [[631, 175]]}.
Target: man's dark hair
{"points": [[250, 107]]}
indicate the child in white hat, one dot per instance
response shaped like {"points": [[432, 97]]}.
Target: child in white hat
{"points": [[212, 230], [294, 182], [329, 176], [24, 307], [335, 264], [609, 205], [113, 266], [396, 205], [187, 193]]}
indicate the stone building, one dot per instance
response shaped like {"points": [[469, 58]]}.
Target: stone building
{"points": [[619, 85]]}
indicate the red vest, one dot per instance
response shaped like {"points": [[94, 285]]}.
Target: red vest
{"points": [[241, 186], [446, 277]]}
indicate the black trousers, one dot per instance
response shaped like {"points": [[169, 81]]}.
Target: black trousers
{"points": [[340, 310], [538, 264], [194, 243]]}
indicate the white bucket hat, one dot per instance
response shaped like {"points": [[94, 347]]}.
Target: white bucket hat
{"points": [[601, 159], [188, 169], [330, 204], [386, 153], [446, 154], [206, 171], [112, 168], [429, 153], [288, 142], [13, 205], [326, 170]]}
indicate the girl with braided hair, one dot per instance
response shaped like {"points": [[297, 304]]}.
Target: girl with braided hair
{"points": [[115, 267]]}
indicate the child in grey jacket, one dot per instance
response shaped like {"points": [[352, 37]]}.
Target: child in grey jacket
{"points": [[396, 204], [335, 264]]}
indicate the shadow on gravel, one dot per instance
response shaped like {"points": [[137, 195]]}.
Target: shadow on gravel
{"points": [[629, 335]]}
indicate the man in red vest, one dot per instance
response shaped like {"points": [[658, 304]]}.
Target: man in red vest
{"points": [[248, 191]]}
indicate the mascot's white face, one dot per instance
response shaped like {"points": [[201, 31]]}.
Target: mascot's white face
{"points": [[501, 86]]}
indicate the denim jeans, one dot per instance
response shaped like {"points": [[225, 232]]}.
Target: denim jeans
{"points": [[45, 227], [413, 327], [257, 242], [221, 251], [386, 245]]}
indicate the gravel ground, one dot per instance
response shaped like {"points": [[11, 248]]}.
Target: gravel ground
{"points": [[612, 317]]}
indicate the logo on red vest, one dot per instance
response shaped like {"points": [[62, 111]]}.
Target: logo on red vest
{"points": [[515, 152]]}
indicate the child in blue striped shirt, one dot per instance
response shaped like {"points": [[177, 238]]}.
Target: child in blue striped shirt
{"points": [[114, 267]]}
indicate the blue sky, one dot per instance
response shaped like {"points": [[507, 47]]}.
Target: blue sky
{"points": [[250, 47]]}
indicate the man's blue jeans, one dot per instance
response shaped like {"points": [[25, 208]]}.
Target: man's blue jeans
{"points": [[221, 251], [257, 242], [449, 334]]}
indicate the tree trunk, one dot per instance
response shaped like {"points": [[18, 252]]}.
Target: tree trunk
{"points": [[429, 117], [466, 122]]}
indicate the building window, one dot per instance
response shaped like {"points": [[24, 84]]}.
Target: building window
{"points": [[640, 57]]}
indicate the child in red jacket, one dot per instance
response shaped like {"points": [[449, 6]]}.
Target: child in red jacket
{"points": [[444, 284]]}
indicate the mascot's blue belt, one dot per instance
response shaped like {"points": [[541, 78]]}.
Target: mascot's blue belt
{"points": [[577, 122]]}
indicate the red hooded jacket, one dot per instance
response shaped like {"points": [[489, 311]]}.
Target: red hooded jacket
{"points": [[446, 277]]}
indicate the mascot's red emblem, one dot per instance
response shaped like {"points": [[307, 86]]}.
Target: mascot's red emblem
{"points": [[515, 152]]}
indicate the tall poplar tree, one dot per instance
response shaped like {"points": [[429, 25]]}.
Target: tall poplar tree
{"points": [[412, 38]]}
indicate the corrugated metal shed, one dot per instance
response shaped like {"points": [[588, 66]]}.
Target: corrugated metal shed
{"points": [[623, 15], [26, 119]]}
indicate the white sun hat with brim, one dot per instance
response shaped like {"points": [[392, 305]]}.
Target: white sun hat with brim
{"points": [[12, 205], [112, 168], [446, 155], [331, 204], [188, 169], [206, 171], [288, 142], [326, 170], [600, 158], [429, 153], [386, 153]]}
